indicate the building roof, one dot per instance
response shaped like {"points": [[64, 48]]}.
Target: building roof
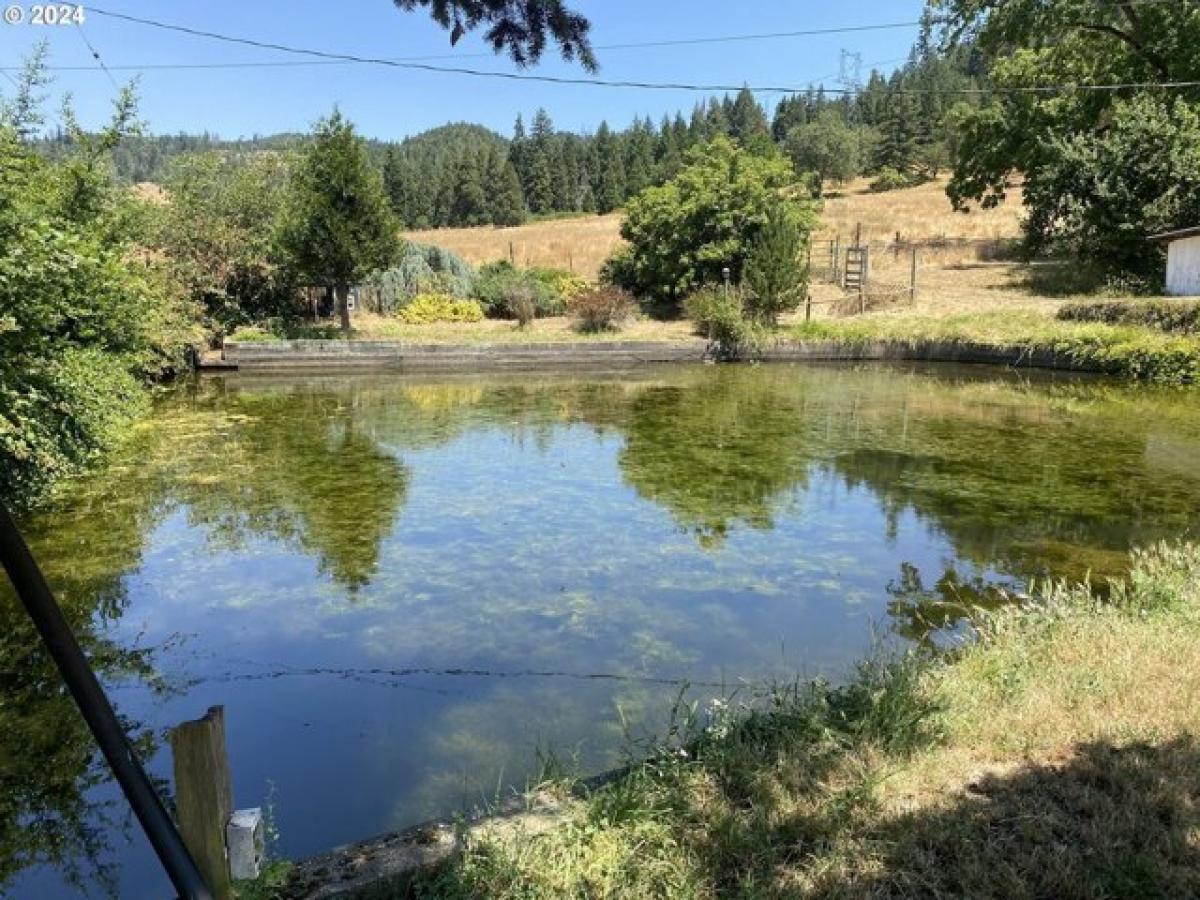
{"points": [[1176, 235]]}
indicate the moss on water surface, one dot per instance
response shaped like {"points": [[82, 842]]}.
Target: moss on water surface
{"points": [[420, 584]]}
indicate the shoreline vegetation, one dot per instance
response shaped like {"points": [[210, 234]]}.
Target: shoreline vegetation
{"points": [[1133, 351], [1054, 754]]}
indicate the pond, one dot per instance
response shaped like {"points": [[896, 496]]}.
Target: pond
{"points": [[409, 592]]}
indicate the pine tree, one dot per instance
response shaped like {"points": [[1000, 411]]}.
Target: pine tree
{"points": [[338, 226], [506, 203], [747, 121], [639, 158], [540, 186], [469, 204], [610, 171], [392, 183], [698, 127], [518, 149], [898, 138], [716, 118]]}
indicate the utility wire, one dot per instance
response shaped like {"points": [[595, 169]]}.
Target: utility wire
{"points": [[594, 82], [96, 56]]}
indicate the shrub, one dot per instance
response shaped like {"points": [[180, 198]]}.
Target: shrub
{"points": [[1181, 316], [889, 179], [775, 275], [499, 282], [683, 233], [564, 283], [425, 309], [522, 305], [421, 269], [253, 334], [720, 316], [602, 309]]}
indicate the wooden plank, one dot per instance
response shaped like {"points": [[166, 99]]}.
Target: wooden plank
{"points": [[204, 795]]}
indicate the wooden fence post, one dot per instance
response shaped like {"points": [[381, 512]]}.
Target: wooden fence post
{"points": [[912, 278], [204, 795]]}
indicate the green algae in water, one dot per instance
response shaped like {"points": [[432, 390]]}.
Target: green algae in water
{"points": [[403, 588]]}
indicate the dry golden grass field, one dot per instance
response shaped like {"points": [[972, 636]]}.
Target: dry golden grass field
{"points": [[919, 214], [955, 277], [580, 243]]}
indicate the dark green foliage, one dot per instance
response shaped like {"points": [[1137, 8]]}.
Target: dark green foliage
{"points": [[519, 28], [1181, 316], [889, 179], [1101, 168], [217, 232], [747, 121], [827, 146], [507, 202], [338, 226], [1100, 196], [610, 185], [499, 284], [685, 232], [776, 275], [84, 319]]}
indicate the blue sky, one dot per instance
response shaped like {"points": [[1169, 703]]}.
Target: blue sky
{"points": [[391, 103]]}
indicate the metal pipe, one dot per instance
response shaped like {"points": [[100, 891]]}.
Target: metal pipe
{"points": [[89, 696]]}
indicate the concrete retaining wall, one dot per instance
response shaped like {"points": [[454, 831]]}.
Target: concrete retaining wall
{"points": [[299, 355], [276, 355]]}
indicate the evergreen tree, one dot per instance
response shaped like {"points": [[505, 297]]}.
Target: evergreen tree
{"points": [[747, 121], [716, 118], [518, 150], [898, 130], [469, 203], [639, 158], [506, 203], [610, 171], [338, 226], [393, 181], [540, 186]]}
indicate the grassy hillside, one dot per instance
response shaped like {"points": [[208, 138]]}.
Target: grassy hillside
{"points": [[583, 243]]}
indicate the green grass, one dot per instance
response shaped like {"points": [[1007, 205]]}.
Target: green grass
{"points": [[1126, 350], [1054, 756]]}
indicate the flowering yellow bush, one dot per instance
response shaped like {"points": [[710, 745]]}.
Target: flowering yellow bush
{"points": [[426, 309]]}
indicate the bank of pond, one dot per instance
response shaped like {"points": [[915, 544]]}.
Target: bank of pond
{"points": [[408, 590]]}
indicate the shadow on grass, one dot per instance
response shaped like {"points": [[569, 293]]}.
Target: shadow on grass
{"points": [[1106, 821]]}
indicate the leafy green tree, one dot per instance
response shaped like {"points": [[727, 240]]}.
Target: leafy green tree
{"points": [[827, 146], [217, 234], [338, 226], [85, 319], [1099, 195], [682, 233], [1041, 45], [776, 275]]}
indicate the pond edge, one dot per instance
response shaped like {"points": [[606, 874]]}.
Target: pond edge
{"points": [[323, 354]]}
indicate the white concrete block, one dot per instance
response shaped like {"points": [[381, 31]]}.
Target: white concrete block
{"points": [[246, 840]]}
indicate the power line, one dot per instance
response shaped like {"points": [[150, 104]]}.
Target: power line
{"points": [[595, 82], [96, 56], [716, 39]]}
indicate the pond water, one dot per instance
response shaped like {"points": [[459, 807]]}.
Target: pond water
{"points": [[405, 590]]}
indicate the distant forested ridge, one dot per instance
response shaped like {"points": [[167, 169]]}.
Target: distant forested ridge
{"points": [[897, 127]]}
